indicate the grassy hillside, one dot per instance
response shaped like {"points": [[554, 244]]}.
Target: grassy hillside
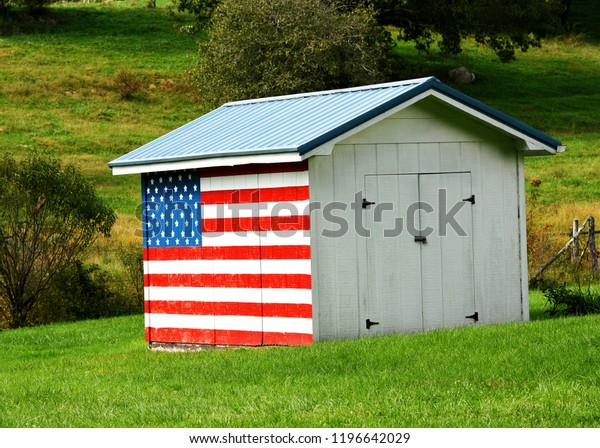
{"points": [[100, 374], [57, 93]]}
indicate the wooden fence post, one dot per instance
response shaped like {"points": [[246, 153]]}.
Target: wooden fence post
{"points": [[575, 254], [592, 244]]}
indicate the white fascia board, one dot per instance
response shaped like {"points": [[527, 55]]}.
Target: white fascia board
{"points": [[530, 143], [207, 163]]}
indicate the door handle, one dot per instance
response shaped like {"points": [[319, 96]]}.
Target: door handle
{"points": [[420, 239]]}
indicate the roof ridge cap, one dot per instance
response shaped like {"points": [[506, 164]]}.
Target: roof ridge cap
{"points": [[406, 82]]}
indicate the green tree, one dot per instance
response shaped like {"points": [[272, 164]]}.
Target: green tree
{"points": [[49, 215], [262, 48], [502, 25]]}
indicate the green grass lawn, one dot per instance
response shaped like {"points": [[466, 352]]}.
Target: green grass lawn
{"points": [[100, 374]]}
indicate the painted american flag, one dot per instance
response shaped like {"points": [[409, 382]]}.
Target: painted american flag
{"points": [[227, 255]]}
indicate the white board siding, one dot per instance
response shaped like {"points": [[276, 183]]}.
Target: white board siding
{"points": [[497, 248]]}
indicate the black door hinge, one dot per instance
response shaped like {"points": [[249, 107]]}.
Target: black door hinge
{"points": [[366, 203], [370, 323], [474, 316], [470, 199]]}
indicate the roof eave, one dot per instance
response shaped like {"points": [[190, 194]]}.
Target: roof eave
{"points": [[206, 162]]}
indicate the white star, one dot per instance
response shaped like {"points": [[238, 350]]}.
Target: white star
{"points": [[197, 241], [190, 196], [151, 181], [157, 242], [156, 190], [195, 187], [156, 207], [181, 197], [187, 241], [185, 188], [171, 197], [162, 198], [162, 234], [165, 189], [166, 223], [176, 223], [182, 233], [193, 233], [172, 215], [153, 234], [147, 190], [196, 205], [189, 177], [148, 207], [177, 240], [148, 224], [172, 234], [166, 206], [175, 189], [160, 180], [170, 178], [152, 198], [149, 242], [179, 177], [176, 206], [162, 216], [187, 223], [192, 215], [153, 215], [167, 241]]}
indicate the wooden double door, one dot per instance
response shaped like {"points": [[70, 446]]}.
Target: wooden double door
{"points": [[419, 252]]}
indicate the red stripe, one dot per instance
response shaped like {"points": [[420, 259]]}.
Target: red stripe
{"points": [[300, 281], [226, 337], [181, 335], [298, 310], [256, 224], [240, 196], [255, 168], [229, 253]]}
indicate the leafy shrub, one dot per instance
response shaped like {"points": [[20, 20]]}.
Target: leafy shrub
{"points": [[574, 301], [127, 84], [83, 291], [133, 262], [263, 48]]}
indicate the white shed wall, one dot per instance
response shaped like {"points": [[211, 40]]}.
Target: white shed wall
{"points": [[427, 137]]}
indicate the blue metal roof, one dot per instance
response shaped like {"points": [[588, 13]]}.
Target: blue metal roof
{"points": [[295, 123]]}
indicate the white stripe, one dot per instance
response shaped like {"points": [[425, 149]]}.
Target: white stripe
{"points": [[270, 238], [301, 266], [253, 181], [236, 323], [204, 322], [245, 295], [254, 209], [287, 325]]}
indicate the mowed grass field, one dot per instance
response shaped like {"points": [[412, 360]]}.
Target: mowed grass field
{"points": [[100, 374], [57, 94]]}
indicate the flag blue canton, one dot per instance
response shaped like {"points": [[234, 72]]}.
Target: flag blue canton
{"points": [[171, 209]]}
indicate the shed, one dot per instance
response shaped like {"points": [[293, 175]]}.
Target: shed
{"points": [[395, 207]]}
